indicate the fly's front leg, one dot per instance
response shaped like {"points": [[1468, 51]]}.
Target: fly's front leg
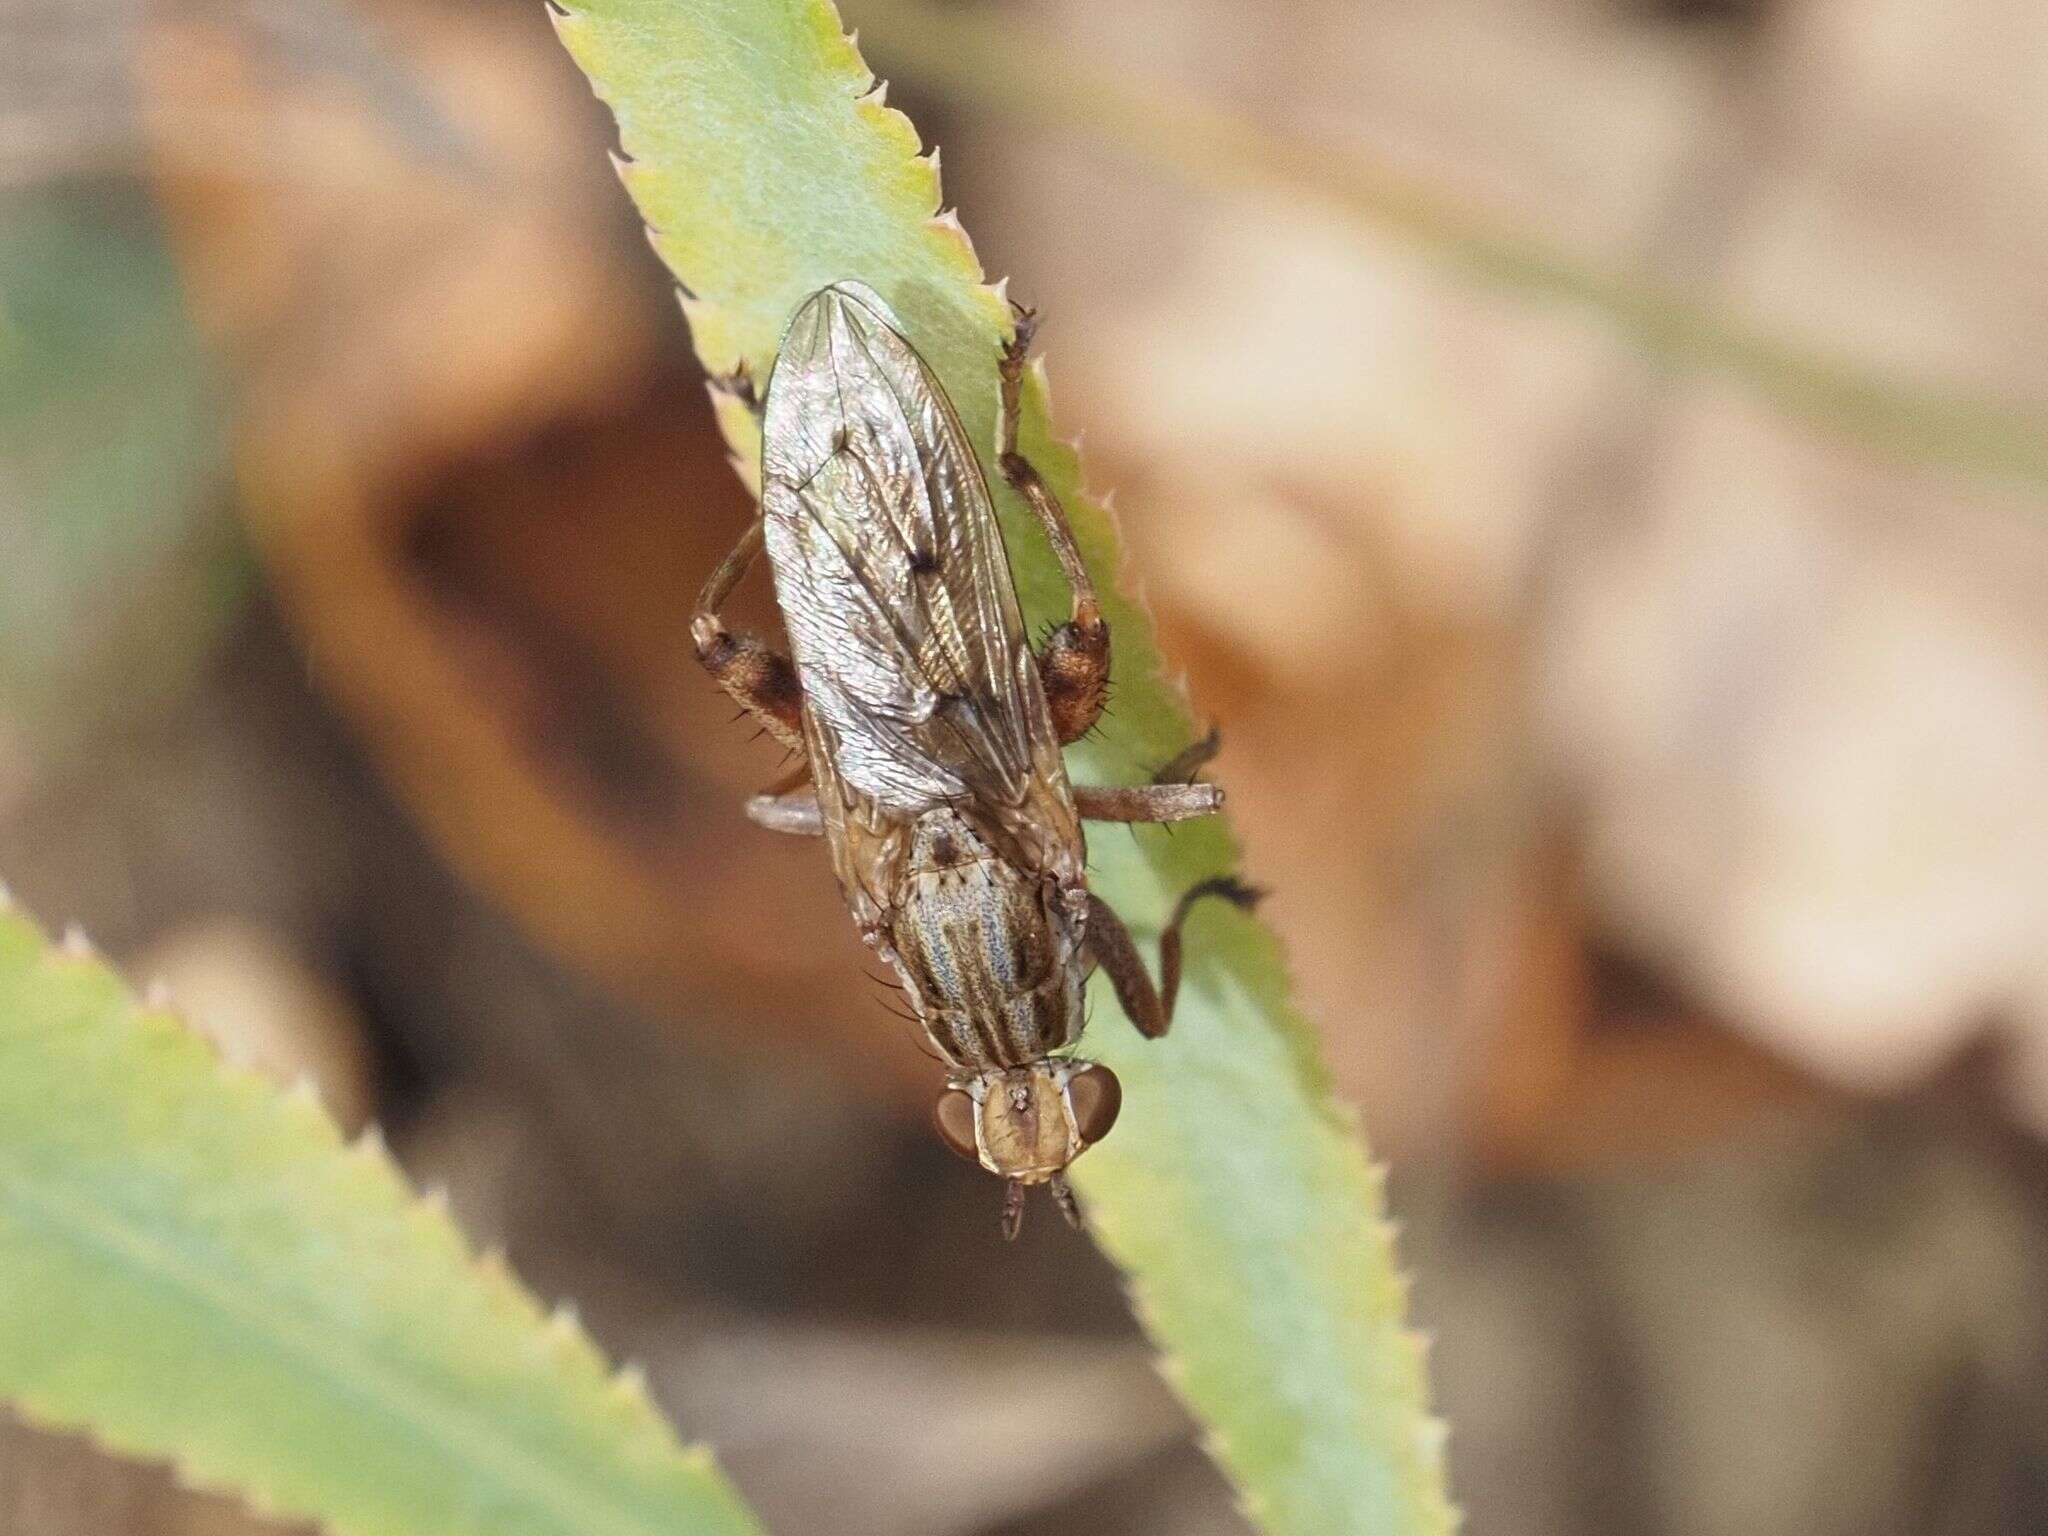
{"points": [[758, 678], [1074, 661], [1109, 943], [754, 675]]}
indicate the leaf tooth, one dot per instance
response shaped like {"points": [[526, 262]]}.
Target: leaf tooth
{"points": [[6, 898], [571, 29], [695, 310], [75, 945], [496, 1268], [369, 1145], [946, 222], [565, 1321], [156, 997], [629, 1383], [1250, 1502], [434, 1197]]}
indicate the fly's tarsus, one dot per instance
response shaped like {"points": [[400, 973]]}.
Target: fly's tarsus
{"points": [[1024, 328], [1191, 759], [1150, 1008], [738, 385]]}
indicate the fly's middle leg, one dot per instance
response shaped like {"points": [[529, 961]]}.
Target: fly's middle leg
{"points": [[1150, 1008], [1074, 661], [1173, 794], [758, 678]]}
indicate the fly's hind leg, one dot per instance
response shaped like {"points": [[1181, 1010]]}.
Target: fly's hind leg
{"points": [[1109, 943], [1074, 661]]}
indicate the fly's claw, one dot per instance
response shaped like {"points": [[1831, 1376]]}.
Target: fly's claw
{"points": [[1233, 890], [1024, 322], [737, 385]]}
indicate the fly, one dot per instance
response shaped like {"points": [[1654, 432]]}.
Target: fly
{"points": [[929, 732]]}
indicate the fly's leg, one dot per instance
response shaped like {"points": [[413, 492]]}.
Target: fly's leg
{"points": [[795, 812], [1190, 760], [754, 675], [1171, 796], [1109, 942], [1063, 1197], [1074, 661], [758, 678], [1145, 802]]}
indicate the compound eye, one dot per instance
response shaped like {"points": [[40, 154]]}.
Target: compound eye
{"points": [[1096, 1096], [953, 1115]]}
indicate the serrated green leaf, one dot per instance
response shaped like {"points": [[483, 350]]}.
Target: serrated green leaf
{"points": [[196, 1267], [1234, 1193]]}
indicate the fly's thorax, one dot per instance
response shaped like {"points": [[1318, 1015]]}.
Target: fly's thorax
{"points": [[1028, 1123], [988, 949]]}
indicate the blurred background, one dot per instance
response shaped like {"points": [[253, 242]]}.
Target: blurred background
{"points": [[1653, 782]]}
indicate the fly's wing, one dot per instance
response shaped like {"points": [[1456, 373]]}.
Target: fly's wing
{"points": [[890, 570]]}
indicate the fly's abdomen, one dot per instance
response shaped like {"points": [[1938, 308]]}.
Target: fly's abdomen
{"points": [[993, 971]]}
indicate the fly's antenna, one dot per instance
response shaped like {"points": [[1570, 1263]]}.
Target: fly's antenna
{"points": [[1013, 1210]]}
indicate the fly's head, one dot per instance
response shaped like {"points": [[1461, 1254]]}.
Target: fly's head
{"points": [[1026, 1124]]}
